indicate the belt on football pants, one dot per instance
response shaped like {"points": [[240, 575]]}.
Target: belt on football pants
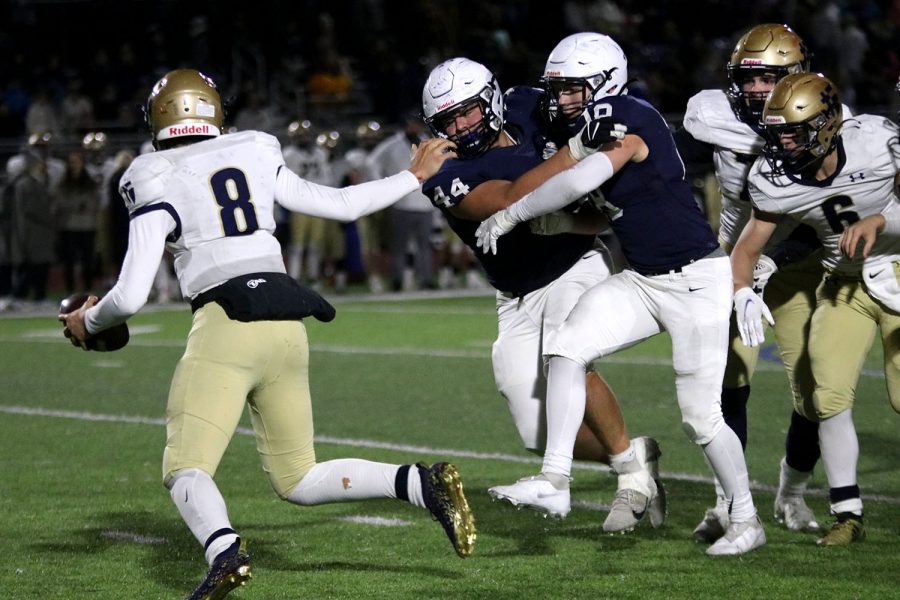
{"points": [[714, 254]]}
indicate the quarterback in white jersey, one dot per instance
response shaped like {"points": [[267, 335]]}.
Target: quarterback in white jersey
{"points": [[209, 199], [839, 178]]}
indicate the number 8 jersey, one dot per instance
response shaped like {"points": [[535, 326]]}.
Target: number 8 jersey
{"points": [[220, 195]]}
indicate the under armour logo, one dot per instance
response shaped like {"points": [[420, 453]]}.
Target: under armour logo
{"points": [[254, 283], [859, 176]]}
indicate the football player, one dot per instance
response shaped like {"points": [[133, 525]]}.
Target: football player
{"points": [[722, 127], [209, 198], [538, 279], [679, 280], [311, 162], [839, 177]]}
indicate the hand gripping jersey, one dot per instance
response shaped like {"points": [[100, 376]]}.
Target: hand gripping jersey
{"points": [[651, 207], [709, 118], [526, 261], [863, 185]]}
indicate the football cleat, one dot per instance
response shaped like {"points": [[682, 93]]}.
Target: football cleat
{"points": [[739, 538], [442, 490], [793, 512], [713, 526], [537, 493], [230, 570], [639, 493], [846, 530]]}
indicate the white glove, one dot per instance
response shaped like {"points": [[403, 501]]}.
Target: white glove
{"points": [[765, 268], [750, 310], [499, 223]]}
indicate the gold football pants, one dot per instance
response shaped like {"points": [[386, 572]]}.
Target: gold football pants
{"points": [[842, 332], [228, 364]]}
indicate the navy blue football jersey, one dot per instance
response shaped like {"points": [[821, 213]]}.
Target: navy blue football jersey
{"points": [[524, 261], [650, 205]]}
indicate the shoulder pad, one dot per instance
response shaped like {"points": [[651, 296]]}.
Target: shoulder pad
{"points": [[144, 180], [709, 118]]}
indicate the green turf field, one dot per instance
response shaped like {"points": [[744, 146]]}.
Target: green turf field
{"points": [[83, 513]]}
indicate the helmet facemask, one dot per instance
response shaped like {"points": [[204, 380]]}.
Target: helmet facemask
{"points": [[801, 123], [562, 116], [475, 139], [748, 105]]}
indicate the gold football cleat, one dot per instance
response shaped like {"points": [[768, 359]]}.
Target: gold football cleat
{"points": [[844, 533]]}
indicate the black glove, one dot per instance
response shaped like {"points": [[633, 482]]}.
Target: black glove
{"points": [[602, 131]]}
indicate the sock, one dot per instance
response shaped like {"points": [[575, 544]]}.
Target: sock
{"points": [[734, 411], [626, 462], [802, 443], [727, 459], [846, 501], [203, 509], [840, 449], [792, 482], [348, 479], [565, 412]]}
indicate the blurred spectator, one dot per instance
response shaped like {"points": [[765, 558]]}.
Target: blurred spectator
{"points": [[78, 209], [77, 109], [412, 216], [41, 115], [31, 251]]}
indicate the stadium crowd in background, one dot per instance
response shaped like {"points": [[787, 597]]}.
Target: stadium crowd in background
{"points": [[339, 72]]}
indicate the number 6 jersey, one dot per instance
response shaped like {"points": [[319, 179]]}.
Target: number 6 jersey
{"points": [[862, 185]]}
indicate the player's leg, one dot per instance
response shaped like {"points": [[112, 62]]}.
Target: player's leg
{"points": [[844, 318], [206, 399], [281, 415], [583, 337], [791, 295], [695, 309]]}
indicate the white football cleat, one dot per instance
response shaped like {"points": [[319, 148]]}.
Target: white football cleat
{"points": [[537, 493], [793, 512], [739, 538], [713, 526], [640, 492]]}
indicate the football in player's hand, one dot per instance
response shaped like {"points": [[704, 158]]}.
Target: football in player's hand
{"points": [[107, 340]]}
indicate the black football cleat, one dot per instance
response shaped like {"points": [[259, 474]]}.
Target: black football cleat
{"points": [[442, 491], [230, 570]]}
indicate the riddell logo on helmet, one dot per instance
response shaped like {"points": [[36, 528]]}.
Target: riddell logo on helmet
{"points": [[752, 61], [552, 73], [189, 130], [446, 104]]}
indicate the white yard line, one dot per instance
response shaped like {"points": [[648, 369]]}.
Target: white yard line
{"points": [[374, 444]]}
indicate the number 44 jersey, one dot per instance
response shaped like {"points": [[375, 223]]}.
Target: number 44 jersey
{"points": [[862, 185]]}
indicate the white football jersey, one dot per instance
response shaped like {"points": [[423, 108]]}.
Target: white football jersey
{"points": [[863, 185], [221, 195], [709, 118], [310, 164]]}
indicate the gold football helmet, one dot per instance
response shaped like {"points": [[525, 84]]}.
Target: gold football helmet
{"points": [[801, 122], [94, 141], [769, 48], [184, 103]]}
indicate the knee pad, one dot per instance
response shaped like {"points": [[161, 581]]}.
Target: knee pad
{"points": [[827, 404], [170, 478], [701, 428]]}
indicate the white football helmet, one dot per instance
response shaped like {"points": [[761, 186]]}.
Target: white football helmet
{"points": [[457, 83], [591, 60]]}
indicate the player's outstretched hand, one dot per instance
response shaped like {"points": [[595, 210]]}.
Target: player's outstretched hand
{"points": [[750, 310], [74, 323], [594, 135], [428, 157], [499, 223]]}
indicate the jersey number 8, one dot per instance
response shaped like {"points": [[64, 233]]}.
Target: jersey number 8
{"points": [[232, 193]]}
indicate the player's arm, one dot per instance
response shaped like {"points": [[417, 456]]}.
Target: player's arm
{"points": [[866, 230], [355, 201], [749, 247], [565, 187], [146, 244]]}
